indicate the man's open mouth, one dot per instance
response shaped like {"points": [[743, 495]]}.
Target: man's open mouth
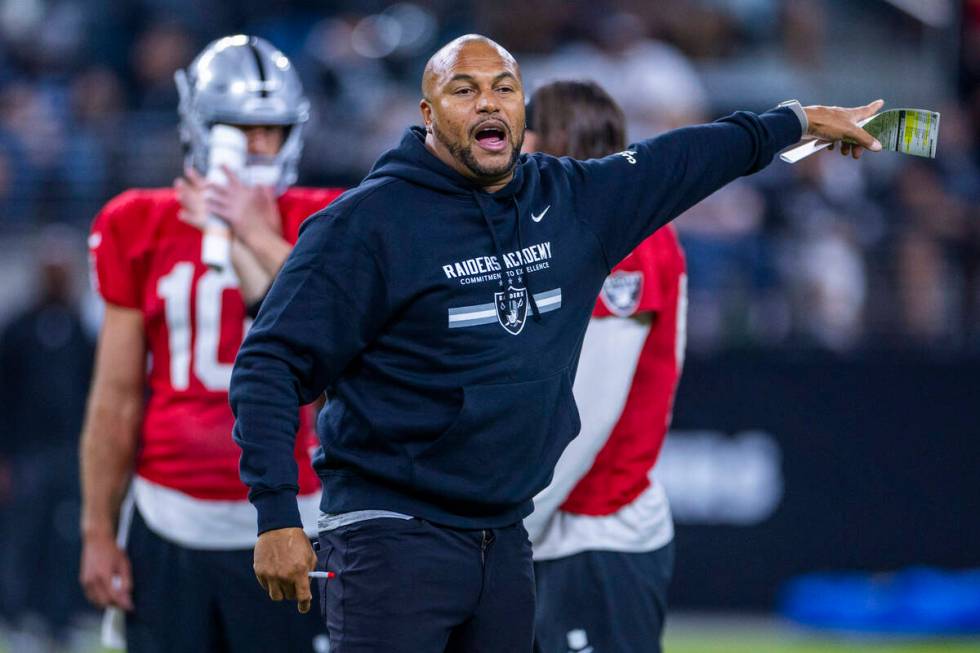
{"points": [[492, 137]]}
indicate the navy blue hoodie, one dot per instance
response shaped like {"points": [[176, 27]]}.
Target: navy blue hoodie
{"points": [[445, 322]]}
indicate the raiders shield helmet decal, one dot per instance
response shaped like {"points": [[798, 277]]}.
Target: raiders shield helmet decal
{"points": [[621, 292]]}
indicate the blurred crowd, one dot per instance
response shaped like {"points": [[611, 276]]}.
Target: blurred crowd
{"points": [[825, 254]]}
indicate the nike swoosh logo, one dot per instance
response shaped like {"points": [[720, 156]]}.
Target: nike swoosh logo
{"points": [[537, 218]]}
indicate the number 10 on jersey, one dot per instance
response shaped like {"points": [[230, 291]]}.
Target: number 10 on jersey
{"points": [[175, 290]]}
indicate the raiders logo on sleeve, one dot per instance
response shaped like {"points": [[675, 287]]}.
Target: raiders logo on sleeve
{"points": [[621, 292]]}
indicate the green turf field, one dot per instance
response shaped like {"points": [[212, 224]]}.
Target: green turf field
{"points": [[735, 633], [741, 644], [731, 633]]}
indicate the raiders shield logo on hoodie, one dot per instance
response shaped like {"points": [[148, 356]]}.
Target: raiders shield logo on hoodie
{"points": [[511, 308]]}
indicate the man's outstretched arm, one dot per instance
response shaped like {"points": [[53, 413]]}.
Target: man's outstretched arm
{"points": [[628, 196]]}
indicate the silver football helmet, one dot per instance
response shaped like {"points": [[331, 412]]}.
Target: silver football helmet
{"points": [[243, 80]]}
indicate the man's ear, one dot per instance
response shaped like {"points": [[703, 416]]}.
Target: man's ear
{"points": [[426, 110]]}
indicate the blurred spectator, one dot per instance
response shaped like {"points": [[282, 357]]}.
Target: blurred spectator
{"points": [[531, 27], [346, 59], [821, 219], [936, 257], [804, 25], [704, 29], [44, 37], [80, 78], [31, 119], [829, 287], [45, 365], [152, 156], [159, 51], [958, 165], [654, 82], [29, 112], [727, 262], [17, 184], [96, 117]]}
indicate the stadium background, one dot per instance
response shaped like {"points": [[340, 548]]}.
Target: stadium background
{"points": [[826, 421]]}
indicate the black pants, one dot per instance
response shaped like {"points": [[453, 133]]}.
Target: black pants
{"points": [[410, 586], [191, 600], [602, 602]]}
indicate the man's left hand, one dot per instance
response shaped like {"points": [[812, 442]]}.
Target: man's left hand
{"points": [[840, 124]]}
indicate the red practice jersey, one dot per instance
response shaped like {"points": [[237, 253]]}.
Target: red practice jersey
{"points": [[145, 258], [651, 280]]}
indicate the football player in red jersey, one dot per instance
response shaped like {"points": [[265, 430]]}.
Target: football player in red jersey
{"points": [[602, 531], [158, 417]]}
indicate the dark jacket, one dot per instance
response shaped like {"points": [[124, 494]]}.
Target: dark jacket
{"points": [[446, 322], [45, 367]]}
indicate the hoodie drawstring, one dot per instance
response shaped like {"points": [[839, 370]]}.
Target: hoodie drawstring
{"points": [[493, 232], [536, 314], [527, 277]]}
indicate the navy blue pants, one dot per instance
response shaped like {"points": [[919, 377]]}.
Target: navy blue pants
{"points": [[191, 601], [602, 602], [411, 586]]}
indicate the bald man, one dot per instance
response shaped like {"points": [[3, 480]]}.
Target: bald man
{"points": [[443, 303]]}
